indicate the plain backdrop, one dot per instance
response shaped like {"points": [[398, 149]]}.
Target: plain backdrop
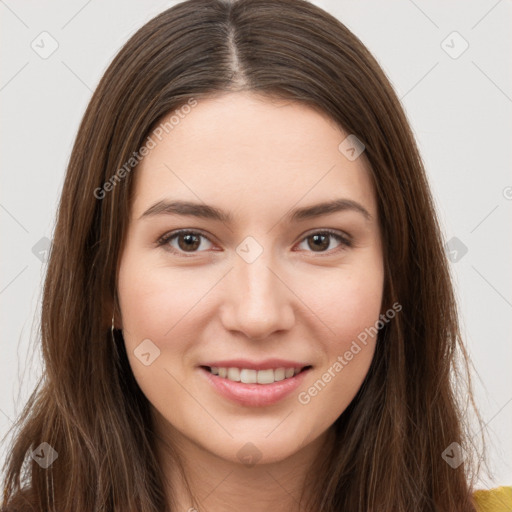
{"points": [[449, 63]]}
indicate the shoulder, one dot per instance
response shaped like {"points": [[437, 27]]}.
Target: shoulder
{"points": [[494, 500]]}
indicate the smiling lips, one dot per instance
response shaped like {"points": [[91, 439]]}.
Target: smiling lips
{"points": [[255, 384]]}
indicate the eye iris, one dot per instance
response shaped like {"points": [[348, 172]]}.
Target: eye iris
{"points": [[323, 239], [192, 241]]}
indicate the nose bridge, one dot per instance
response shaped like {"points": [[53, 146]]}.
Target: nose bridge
{"points": [[259, 303], [258, 283]]}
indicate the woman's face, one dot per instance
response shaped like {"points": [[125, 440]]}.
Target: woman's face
{"points": [[254, 278]]}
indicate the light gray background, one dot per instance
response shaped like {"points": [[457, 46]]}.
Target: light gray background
{"points": [[459, 109]]}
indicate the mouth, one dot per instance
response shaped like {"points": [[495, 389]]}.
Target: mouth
{"points": [[249, 387], [252, 376]]}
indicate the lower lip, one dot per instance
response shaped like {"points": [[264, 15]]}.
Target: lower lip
{"points": [[255, 395]]}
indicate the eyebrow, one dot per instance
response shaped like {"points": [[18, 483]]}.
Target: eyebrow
{"points": [[205, 211]]}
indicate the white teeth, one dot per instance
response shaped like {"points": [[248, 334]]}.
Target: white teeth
{"points": [[279, 374], [248, 376], [265, 376], [288, 373], [234, 374]]}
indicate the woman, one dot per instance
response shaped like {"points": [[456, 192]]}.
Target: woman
{"points": [[247, 303]]}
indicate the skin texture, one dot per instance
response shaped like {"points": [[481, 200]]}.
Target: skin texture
{"points": [[255, 158]]}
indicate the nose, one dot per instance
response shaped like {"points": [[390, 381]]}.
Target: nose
{"points": [[257, 300]]}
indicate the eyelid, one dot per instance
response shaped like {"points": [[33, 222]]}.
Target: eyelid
{"points": [[343, 238]]}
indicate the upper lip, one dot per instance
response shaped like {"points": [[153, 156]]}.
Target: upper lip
{"points": [[267, 364]]}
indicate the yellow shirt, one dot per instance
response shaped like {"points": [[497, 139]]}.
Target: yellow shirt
{"points": [[494, 500]]}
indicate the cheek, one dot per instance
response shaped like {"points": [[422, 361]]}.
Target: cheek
{"points": [[154, 299], [351, 313], [346, 301], [347, 308], [151, 310], [154, 307]]}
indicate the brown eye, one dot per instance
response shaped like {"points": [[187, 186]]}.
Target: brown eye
{"points": [[187, 242], [320, 242]]}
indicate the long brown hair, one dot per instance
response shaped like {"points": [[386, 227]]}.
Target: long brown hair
{"points": [[389, 442]]}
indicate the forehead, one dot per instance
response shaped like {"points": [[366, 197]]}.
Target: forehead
{"points": [[243, 151]]}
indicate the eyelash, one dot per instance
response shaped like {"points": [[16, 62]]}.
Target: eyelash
{"points": [[165, 239]]}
